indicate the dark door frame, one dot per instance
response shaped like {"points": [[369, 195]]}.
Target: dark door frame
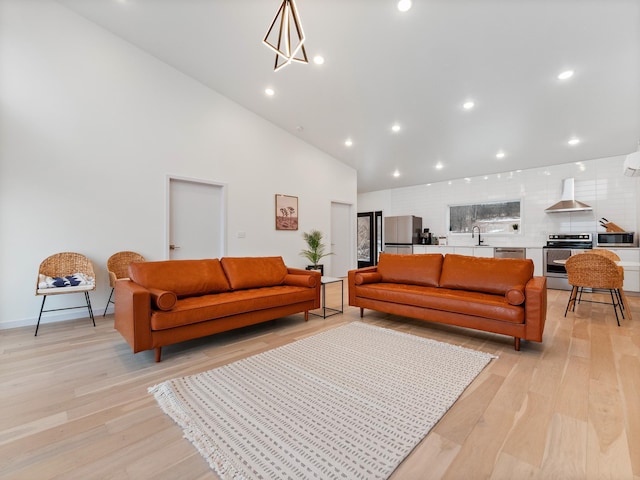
{"points": [[375, 242]]}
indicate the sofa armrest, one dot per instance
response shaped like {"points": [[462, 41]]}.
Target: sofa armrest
{"points": [[309, 273], [133, 314], [535, 308], [351, 277]]}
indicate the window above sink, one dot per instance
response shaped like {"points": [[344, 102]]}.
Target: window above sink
{"points": [[491, 217]]}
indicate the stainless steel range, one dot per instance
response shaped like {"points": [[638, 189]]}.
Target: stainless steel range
{"points": [[560, 246]]}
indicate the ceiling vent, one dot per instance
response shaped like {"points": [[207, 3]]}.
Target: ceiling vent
{"points": [[567, 201], [631, 166]]}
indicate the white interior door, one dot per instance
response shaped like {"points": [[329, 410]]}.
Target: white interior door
{"points": [[342, 238], [196, 219]]}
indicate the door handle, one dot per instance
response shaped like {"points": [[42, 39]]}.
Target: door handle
{"points": [[173, 247]]}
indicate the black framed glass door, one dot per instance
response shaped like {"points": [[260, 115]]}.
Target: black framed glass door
{"points": [[369, 238]]}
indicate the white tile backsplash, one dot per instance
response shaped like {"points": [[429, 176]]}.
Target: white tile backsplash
{"points": [[599, 183]]}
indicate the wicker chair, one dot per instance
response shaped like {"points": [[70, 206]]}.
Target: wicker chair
{"points": [[118, 267], [597, 272], [61, 265]]}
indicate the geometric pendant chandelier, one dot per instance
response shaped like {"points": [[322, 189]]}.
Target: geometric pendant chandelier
{"points": [[286, 51]]}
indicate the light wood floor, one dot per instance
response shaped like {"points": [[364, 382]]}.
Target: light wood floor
{"points": [[74, 401]]}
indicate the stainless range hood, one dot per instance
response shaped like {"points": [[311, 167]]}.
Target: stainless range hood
{"points": [[567, 201]]}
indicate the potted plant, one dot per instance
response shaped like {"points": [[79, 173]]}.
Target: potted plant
{"points": [[315, 250], [515, 227]]}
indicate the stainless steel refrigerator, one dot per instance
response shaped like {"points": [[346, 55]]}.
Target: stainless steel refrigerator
{"points": [[401, 233]]}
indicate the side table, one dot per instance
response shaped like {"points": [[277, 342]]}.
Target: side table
{"points": [[323, 307]]}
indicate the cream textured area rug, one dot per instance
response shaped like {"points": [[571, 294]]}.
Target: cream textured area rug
{"points": [[347, 403]]}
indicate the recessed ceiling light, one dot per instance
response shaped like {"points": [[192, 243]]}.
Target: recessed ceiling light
{"points": [[395, 128], [348, 142], [565, 75], [404, 5], [269, 91], [574, 141], [439, 166], [468, 105], [318, 59], [500, 154], [396, 173]]}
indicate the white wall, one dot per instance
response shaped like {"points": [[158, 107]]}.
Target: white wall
{"points": [[598, 183], [90, 128]]}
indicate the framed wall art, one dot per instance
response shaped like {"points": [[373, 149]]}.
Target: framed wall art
{"points": [[286, 212]]}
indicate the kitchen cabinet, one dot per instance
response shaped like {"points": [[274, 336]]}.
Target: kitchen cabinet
{"points": [[419, 249], [440, 249], [535, 254], [463, 251], [483, 252], [631, 274]]}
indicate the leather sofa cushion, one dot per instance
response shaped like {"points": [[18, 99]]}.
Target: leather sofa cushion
{"points": [[476, 304], [411, 269], [252, 272], [182, 277], [489, 275], [192, 310]]}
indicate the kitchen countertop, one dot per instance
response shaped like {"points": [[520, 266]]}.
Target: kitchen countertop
{"points": [[481, 246], [517, 246]]}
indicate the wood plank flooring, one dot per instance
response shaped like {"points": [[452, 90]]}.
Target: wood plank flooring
{"points": [[74, 401]]}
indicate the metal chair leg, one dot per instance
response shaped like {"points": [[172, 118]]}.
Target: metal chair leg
{"points": [[620, 303], [625, 303], [108, 302], [40, 316], [571, 298], [615, 306], [86, 296], [579, 297]]}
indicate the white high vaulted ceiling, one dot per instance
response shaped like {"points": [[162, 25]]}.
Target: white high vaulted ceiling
{"points": [[416, 69]]}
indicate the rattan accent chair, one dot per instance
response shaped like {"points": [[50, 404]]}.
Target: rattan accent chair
{"points": [[597, 272], [118, 267], [62, 265]]}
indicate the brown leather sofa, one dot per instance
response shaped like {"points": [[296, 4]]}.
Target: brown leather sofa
{"points": [[175, 300], [497, 295]]}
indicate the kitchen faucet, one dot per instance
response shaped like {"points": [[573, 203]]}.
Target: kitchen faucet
{"points": [[472, 229]]}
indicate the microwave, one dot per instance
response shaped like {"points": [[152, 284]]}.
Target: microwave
{"points": [[617, 239]]}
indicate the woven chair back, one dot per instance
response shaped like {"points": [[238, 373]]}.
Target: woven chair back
{"points": [[606, 253], [66, 263], [594, 271], [118, 265]]}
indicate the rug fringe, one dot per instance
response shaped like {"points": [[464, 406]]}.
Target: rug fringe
{"points": [[215, 458]]}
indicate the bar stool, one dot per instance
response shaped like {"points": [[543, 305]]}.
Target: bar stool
{"points": [[597, 272]]}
